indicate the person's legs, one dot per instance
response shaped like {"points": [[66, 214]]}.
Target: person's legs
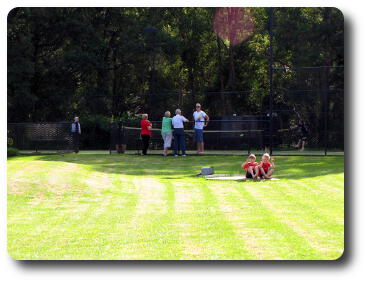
{"points": [[119, 148], [169, 144], [263, 174], [196, 132], [299, 144], [175, 141], [76, 142], [303, 145], [199, 140], [147, 144], [167, 140], [257, 172], [251, 171], [182, 142], [145, 139], [142, 144], [248, 175], [164, 137], [202, 147], [269, 173]]}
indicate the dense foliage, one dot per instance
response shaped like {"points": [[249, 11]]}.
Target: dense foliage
{"points": [[106, 64], [103, 61]]}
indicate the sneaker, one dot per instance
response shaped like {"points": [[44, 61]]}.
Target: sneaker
{"points": [[184, 155], [176, 155]]}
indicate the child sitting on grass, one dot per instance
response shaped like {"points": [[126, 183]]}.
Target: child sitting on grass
{"points": [[266, 167], [250, 167]]}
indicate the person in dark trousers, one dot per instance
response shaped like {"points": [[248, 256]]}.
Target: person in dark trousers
{"points": [[145, 132], [119, 137], [178, 132], [302, 134], [76, 131]]}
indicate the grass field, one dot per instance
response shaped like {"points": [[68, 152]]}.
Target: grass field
{"points": [[153, 208]]}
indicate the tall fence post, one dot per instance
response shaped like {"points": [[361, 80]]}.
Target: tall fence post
{"points": [[326, 110], [111, 138], [271, 13], [249, 139]]}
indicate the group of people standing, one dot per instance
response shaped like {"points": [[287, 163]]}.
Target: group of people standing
{"points": [[173, 128]]}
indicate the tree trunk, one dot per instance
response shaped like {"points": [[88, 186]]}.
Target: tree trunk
{"points": [[231, 80], [220, 78], [232, 74], [192, 85]]}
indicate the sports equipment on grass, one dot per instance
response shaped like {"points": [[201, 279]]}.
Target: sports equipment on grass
{"points": [[234, 178]]}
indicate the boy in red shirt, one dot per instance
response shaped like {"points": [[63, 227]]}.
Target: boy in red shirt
{"points": [[266, 166], [145, 132], [250, 167]]}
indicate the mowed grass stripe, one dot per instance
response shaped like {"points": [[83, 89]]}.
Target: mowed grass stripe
{"points": [[44, 215], [312, 199], [242, 212], [106, 232], [79, 223], [319, 199], [182, 212], [111, 221], [92, 207], [152, 235], [303, 218], [208, 233], [263, 227], [287, 243], [34, 213]]}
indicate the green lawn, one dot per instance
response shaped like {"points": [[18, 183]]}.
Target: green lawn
{"points": [[131, 207]]}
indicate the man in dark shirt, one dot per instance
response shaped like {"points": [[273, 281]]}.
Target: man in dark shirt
{"points": [[76, 131]]}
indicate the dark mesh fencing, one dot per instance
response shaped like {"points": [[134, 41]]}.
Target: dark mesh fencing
{"points": [[244, 133], [307, 118], [313, 96], [41, 137], [221, 103]]}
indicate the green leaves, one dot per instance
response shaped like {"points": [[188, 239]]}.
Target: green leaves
{"points": [[100, 60]]}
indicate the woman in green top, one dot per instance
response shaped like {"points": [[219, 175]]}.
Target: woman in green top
{"points": [[166, 132]]}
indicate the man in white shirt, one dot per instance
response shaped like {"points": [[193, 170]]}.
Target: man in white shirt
{"points": [[178, 132], [201, 120]]}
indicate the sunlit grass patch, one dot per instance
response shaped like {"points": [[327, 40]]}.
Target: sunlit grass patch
{"points": [[133, 207]]}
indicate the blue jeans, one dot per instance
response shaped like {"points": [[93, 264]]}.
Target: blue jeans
{"points": [[179, 140]]}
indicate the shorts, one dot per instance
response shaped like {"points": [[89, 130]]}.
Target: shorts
{"points": [[303, 138], [167, 140], [199, 137], [265, 171], [248, 175]]}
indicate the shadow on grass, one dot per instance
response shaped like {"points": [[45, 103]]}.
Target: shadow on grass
{"points": [[294, 167]]}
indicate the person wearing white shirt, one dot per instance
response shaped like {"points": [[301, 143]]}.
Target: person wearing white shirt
{"points": [[178, 132], [201, 120], [76, 131]]}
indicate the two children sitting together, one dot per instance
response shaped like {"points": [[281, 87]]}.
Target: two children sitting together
{"points": [[262, 170]]}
